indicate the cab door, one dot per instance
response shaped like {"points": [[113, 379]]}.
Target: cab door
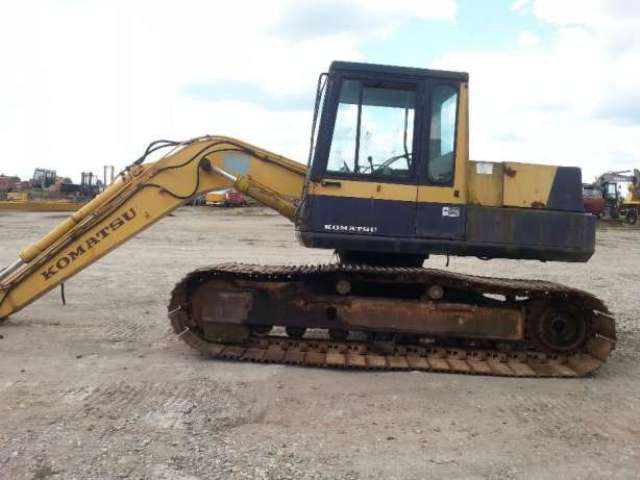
{"points": [[441, 211], [367, 183]]}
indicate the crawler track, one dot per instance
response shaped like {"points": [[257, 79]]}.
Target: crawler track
{"points": [[524, 359]]}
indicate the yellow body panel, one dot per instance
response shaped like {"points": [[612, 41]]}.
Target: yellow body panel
{"points": [[491, 184], [485, 180], [429, 194], [526, 185], [369, 190], [509, 184]]}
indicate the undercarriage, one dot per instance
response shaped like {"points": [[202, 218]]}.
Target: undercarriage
{"points": [[396, 318]]}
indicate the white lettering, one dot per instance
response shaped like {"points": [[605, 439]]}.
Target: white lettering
{"points": [[351, 228]]}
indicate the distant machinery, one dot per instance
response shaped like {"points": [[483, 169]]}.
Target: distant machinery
{"points": [[617, 204], [90, 184], [229, 197], [43, 178]]}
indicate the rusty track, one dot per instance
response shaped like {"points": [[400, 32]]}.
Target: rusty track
{"points": [[528, 360]]}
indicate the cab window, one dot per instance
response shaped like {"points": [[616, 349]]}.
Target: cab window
{"points": [[373, 133], [442, 137], [612, 191]]}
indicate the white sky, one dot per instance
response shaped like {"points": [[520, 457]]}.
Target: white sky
{"points": [[89, 83]]}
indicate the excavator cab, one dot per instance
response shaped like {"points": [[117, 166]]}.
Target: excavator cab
{"points": [[391, 181], [389, 162]]}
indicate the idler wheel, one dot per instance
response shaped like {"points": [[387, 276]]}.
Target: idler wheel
{"points": [[560, 328]]}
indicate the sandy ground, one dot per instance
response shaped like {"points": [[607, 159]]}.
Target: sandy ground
{"points": [[101, 389]]}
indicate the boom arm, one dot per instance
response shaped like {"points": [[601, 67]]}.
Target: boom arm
{"points": [[142, 195], [616, 177]]}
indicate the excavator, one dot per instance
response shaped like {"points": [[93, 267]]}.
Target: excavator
{"points": [[617, 206], [388, 182]]}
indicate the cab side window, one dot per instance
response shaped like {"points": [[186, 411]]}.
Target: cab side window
{"points": [[442, 138], [343, 144], [373, 133]]}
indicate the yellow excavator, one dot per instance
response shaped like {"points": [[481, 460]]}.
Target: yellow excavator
{"points": [[615, 205], [388, 183]]}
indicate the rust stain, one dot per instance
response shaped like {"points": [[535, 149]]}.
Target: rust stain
{"points": [[538, 204], [230, 333], [509, 172]]}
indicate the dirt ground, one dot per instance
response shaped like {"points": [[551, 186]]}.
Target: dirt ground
{"points": [[101, 388]]}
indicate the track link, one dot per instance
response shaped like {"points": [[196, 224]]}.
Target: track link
{"points": [[531, 360]]}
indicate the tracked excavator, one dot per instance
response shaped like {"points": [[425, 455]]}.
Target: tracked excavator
{"points": [[388, 183]]}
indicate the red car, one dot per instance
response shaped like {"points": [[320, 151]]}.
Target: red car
{"points": [[234, 198]]}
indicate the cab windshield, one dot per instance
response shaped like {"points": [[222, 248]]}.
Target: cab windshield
{"points": [[373, 134]]}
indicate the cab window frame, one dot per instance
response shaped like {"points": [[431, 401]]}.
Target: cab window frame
{"points": [[425, 176], [330, 114]]}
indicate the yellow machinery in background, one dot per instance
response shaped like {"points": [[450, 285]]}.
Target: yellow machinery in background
{"points": [[24, 204], [46, 192], [17, 196], [215, 198], [619, 205], [228, 197], [21, 201], [631, 202]]}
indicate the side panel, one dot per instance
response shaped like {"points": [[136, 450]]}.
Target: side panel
{"points": [[531, 228], [441, 220], [526, 185], [363, 216], [491, 232], [364, 190], [484, 183], [566, 191]]}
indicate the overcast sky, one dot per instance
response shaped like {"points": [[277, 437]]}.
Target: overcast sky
{"points": [[86, 83]]}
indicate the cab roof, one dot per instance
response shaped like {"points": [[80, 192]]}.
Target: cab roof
{"points": [[356, 67]]}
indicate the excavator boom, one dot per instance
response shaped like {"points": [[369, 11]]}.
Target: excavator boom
{"points": [[143, 194]]}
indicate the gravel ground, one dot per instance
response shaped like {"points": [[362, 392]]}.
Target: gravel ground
{"points": [[101, 388]]}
